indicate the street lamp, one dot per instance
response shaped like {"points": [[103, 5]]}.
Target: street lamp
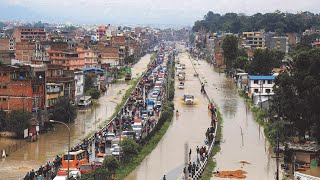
{"points": [[59, 122]]}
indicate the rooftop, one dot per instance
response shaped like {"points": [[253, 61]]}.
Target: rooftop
{"points": [[252, 77], [306, 147]]}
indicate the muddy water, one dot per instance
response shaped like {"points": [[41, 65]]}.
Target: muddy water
{"points": [[50, 144], [186, 131], [243, 139], [168, 157]]}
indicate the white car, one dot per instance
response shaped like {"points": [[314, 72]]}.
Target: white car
{"points": [[113, 146], [181, 85], [156, 88], [155, 94], [117, 151]]}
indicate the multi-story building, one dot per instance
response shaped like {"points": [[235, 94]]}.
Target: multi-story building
{"points": [[21, 88], [90, 56], [79, 85], [22, 34], [60, 83], [109, 55], [101, 31], [39, 54], [7, 43], [24, 51], [253, 39], [280, 43], [70, 60]]}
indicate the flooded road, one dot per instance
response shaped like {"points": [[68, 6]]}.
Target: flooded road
{"points": [[186, 131], [168, 157], [243, 139], [50, 144]]}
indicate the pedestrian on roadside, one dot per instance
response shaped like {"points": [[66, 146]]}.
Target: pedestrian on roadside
{"points": [[198, 150], [164, 177], [32, 174]]}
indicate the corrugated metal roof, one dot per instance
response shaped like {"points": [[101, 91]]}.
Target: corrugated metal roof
{"points": [[261, 77]]}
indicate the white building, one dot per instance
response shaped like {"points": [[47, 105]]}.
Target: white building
{"points": [[79, 83], [260, 88]]}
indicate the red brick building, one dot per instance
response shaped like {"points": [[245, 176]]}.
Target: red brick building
{"points": [[21, 34], [24, 51], [20, 88]]}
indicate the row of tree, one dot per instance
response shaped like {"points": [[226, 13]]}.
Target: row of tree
{"points": [[16, 121], [263, 62], [276, 22], [297, 96]]}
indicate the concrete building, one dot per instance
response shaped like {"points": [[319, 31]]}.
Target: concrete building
{"points": [[79, 85], [260, 88], [253, 39], [280, 43], [60, 83], [22, 34]]}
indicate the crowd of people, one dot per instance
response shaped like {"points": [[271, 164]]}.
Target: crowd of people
{"points": [[190, 170], [122, 122]]}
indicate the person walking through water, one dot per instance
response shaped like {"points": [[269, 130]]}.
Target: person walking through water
{"points": [[190, 154], [202, 88]]}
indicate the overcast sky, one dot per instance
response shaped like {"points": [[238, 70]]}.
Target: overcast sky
{"points": [[182, 12]]}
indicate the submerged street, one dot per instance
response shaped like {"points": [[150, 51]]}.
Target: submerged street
{"points": [[34, 154], [169, 157]]}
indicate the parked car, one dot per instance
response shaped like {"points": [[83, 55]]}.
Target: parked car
{"points": [[129, 134], [110, 137], [86, 168], [113, 146], [117, 151]]}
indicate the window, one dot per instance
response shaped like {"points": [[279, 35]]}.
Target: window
{"points": [[58, 72], [87, 54], [268, 90], [262, 81], [256, 90], [35, 89], [4, 99], [269, 81], [255, 81]]}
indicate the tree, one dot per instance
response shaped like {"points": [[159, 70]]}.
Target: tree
{"points": [[18, 121], [94, 93], [88, 82], [129, 59], [230, 50], [63, 111], [297, 95], [111, 163], [129, 147], [241, 62], [3, 119], [264, 61]]}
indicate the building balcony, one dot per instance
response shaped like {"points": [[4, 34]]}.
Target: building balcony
{"points": [[60, 79]]}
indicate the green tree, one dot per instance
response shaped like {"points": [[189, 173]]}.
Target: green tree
{"points": [[230, 50], [264, 61], [111, 163], [101, 173], [94, 93], [241, 62], [130, 148], [297, 95], [129, 59], [3, 120], [64, 111], [18, 121], [88, 82]]}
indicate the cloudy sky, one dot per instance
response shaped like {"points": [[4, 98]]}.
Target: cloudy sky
{"points": [[182, 12]]}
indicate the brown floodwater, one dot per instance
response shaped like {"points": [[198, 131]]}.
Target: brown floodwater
{"points": [[168, 158], [32, 155]]}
